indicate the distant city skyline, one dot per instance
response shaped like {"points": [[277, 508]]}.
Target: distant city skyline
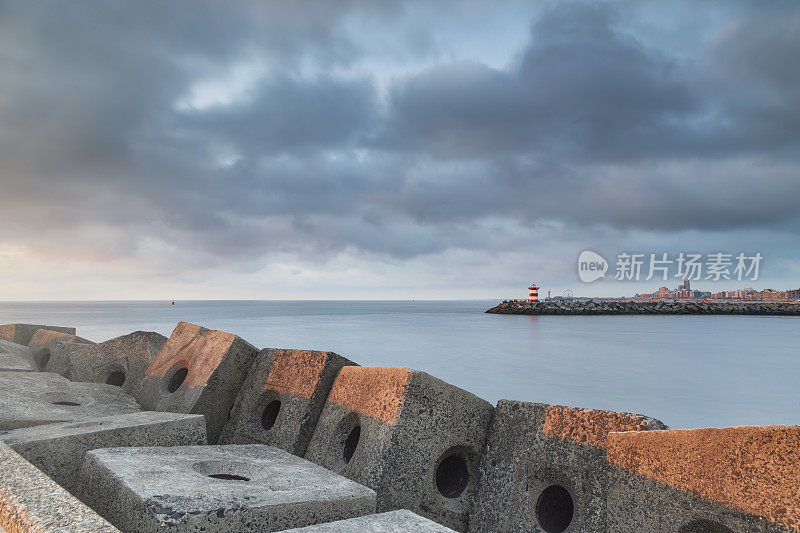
{"points": [[411, 150], [685, 291]]}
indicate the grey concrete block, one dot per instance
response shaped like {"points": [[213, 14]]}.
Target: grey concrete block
{"points": [[12, 362], [22, 333], [43, 342], [58, 449], [545, 468], [17, 349], [121, 361], [36, 398], [401, 521], [413, 438], [282, 398], [32, 502], [13, 347], [228, 488], [197, 371], [55, 356]]}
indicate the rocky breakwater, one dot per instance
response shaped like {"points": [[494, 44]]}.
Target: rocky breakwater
{"points": [[630, 307]]}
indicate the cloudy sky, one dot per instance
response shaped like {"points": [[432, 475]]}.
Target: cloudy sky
{"points": [[186, 149]]}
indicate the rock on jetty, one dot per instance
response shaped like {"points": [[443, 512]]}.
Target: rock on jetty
{"points": [[631, 307]]}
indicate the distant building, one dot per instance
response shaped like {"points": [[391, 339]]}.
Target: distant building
{"points": [[684, 292]]}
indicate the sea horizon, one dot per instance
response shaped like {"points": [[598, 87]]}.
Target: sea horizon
{"points": [[688, 371]]}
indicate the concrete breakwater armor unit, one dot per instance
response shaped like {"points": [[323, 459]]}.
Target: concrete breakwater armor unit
{"points": [[204, 432]]}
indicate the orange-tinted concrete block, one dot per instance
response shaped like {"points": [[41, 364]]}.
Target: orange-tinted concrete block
{"points": [[43, 343], [22, 333], [197, 371], [545, 468], [282, 399], [416, 440], [750, 469]]}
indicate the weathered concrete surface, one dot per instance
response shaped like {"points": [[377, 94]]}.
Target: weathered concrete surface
{"points": [[227, 488], [747, 475], [13, 347], [121, 361], [22, 333], [545, 468], [31, 502], [637, 504], [197, 371], [625, 307], [17, 349], [282, 398], [13, 362], [413, 438], [56, 359], [401, 521], [43, 342], [36, 398], [58, 449]]}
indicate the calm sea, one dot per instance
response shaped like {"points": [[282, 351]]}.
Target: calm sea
{"points": [[689, 371]]}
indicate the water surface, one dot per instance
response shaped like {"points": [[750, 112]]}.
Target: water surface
{"points": [[689, 371]]}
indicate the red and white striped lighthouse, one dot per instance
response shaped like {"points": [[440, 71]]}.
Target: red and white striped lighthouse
{"points": [[533, 293]]}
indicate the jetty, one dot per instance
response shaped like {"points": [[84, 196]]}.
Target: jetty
{"points": [[634, 307]]}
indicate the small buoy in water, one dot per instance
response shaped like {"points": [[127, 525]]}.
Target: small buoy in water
{"points": [[173, 303]]}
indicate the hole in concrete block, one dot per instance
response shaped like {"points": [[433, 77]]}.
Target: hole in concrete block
{"points": [[705, 526], [64, 402], [177, 379], [41, 358], [351, 443], [227, 470], [116, 378], [270, 414], [554, 509], [80, 425], [452, 476], [229, 477]]}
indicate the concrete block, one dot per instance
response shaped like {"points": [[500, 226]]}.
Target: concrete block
{"points": [[36, 398], [56, 358], [545, 468], [413, 438], [42, 343], [17, 349], [12, 362], [227, 488], [741, 479], [401, 521], [22, 333], [32, 502], [13, 347], [58, 449], [640, 505], [282, 398], [197, 371], [121, 361]]}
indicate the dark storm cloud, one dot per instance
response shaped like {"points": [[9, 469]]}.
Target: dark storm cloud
{"points": [[579, 88], [586, 126]]}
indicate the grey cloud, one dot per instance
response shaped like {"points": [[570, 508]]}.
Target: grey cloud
{"points": [[586, 127], [580, 89]]}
